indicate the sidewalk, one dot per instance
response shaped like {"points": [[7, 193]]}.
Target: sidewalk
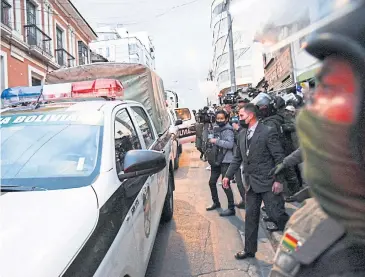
{"points": [[273, 237], [266, 253]]}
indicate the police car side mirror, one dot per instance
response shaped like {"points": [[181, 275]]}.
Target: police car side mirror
{"points": [[178, 122], [142, 163]]}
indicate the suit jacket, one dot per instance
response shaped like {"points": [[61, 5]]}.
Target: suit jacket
{"points": [[265, 152]]}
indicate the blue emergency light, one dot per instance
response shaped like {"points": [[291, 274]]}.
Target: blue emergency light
{"points": [[18, 95], [108, 88]]}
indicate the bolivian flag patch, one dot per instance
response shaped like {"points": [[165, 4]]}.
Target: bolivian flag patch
{"points": [[290, 242]]}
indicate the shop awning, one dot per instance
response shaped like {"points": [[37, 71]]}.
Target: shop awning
{"points": [[307, 75]]}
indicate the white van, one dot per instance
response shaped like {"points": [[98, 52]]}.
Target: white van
{"points": [[187, 132]]}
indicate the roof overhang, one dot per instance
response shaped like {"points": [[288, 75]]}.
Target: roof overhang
{"points": [[79, 19]]}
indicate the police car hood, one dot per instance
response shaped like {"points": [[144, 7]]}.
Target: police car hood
{"points": [[41, 231]]}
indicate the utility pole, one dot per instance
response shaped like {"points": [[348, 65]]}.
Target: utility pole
{"points": [[232, 69]]}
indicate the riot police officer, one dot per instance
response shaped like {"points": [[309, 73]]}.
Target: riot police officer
{"points": [[326, 237]]}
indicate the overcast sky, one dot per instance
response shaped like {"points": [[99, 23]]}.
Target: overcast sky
{"points": [[181, 35]]}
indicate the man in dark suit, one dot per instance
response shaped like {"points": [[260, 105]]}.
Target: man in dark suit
{"points": [[260, 150]]}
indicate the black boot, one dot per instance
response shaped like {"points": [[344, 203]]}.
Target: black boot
{"points": [[228, 212], [213, 207], [241, 205]]}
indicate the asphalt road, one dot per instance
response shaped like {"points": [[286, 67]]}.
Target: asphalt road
{"points": [[200, 243]]}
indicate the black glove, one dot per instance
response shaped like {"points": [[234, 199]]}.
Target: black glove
{"points": [[300, 196], [276, 170]]}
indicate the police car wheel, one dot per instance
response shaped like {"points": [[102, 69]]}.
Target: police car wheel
{"points": [[168, 208]]}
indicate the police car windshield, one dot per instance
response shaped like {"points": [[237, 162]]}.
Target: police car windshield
{"points": [[183, 114], [51, 151]]}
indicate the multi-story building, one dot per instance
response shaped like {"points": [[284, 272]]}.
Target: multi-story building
{"points": [[278, 69], [118, 45], [247, 53], [40, 36], [305, 65]]}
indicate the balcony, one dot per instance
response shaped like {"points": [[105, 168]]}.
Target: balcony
{"points": [[39, 42], [64, 58]]}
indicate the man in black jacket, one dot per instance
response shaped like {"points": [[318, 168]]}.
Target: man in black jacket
{"points": [[277, 121], [260, 150], [293, 159]]}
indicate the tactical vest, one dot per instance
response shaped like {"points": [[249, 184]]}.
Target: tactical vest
{"points": [[309, 233]]}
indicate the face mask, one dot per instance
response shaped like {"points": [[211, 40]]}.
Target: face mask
{"points": [[221, 123], [336, 179], [243, 123]]}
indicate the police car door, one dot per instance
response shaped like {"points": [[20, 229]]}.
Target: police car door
{"points": [[151, 195], [121, 204], [187, 131]]}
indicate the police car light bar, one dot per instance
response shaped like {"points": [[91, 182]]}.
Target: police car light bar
{"points": [[107, 88], [97, 88]]}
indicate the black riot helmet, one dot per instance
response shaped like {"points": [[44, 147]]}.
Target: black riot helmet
{"points": [[279, 103], [265, 104]]}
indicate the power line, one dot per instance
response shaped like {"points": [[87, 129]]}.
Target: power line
{"points": [[128, 23]]}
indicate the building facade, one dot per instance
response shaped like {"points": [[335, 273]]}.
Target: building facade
{"points": [[247, 53], [41, 36], [278, 69], [118, 45]]}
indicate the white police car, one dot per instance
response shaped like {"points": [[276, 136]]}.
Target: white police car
{"points": [[84, 184], [187, 132], [176, 146]]}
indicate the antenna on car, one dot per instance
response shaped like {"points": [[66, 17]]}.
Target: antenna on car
{"points": [[37, 104]]}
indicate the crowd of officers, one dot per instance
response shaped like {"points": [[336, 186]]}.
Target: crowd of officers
{"points": [[224, 136], [273, 111], [326, 236]]}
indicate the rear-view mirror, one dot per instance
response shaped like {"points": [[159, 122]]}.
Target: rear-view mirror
{"points": [[178, 122], [142, 163]]}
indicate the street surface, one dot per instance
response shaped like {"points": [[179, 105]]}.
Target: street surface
{"points": [[200, 243]]}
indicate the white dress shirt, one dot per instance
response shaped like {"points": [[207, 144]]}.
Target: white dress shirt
{"points": [[251, 130]]}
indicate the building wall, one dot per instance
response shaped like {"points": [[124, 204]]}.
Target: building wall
{"points": [[127, 49], [20, 58], [248, 55]]}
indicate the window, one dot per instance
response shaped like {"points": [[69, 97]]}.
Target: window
{"points": [[125, 137], [183, 114], [132, 48], [35, 77], [31, 13], [3, 71], [59, 45], [36, 81], [145, 125], [5, 13], [83, 53], [107, 52]]}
